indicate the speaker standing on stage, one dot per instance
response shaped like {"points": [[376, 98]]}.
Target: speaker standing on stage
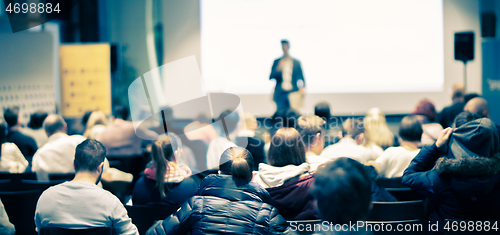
{"points": [[289, 79]]}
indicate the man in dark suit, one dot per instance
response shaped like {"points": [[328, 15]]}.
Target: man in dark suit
{"points": [[287, 72]]}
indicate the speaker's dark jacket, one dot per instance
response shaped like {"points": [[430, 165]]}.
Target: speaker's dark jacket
{"points": [[277, 75]]}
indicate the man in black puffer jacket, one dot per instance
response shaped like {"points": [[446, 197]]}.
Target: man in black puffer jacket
{"points": [[465, 183], [224, 205]]}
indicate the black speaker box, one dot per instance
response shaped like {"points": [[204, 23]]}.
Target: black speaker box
{"points": [[464, 46]]}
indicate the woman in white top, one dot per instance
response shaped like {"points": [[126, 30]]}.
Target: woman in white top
{"points": [[394, 161], [11, 158]]}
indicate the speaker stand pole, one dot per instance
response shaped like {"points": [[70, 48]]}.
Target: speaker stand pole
{"points": [[465, 75]]}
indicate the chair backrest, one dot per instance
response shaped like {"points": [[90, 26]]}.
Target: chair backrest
{"points": [[130, 164], [37, 185], [397, 211], [391, 182], [65, 231], [61, 176], [300, 226], [6, 185], [20, 207], [17, 177], [144, 216], [121, 189], [405, 194]]}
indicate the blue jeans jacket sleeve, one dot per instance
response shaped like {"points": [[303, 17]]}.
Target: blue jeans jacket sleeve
{"points": [[419, 175]]}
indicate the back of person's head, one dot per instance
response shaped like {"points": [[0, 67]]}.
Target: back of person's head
{"points": [[250, 121], [458, 92], [97, 118], [53, 124], [478, 105], [229, 121], [286, 148], [162, 153], [121, 112], [426, 108], [352, 127], [86, 117], [11, 116], [309, 126], [89, 154], [36, 119], [238, 162], [410, 129], [342, 189], [285, 118], [322, 110], [465, 117], [376, 129]]}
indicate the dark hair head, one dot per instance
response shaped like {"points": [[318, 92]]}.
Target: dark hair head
{"points": [[470, 96], [86, 117], [322, 110], [410, 129], [230, 119], [285, 41], [286, 148], [89, 155], [426, 108], [342, 189], [308, 127], [36, 119], [121, 112], [352, 127], [162, 153], [54, 123], [11, 116], [465, 117], [238, 162]]}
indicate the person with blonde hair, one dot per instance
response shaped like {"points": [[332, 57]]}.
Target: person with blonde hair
{"points": [[376, 130], [96, 124], [164, 181], [227, 202]]}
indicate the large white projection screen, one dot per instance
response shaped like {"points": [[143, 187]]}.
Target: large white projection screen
{"points": [[345, 46]]}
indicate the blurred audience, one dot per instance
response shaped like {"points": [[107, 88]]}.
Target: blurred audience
{"points": [[246, 139], [226, 203], [120, 137], [80, 203], [311, 129], [395, 160], [96, 125], [287, 177], [11, 158], [26, 144], [377, 133], [426, 113], [228, 121], [448, 114], [35, 129], [351, 144], [164, 181]]}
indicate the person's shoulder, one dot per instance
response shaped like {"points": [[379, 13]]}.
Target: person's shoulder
{"points": [[9, 148]]}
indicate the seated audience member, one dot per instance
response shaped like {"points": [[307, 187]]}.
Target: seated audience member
{"points": [[313, 135], [470, 96], [228, 130], [394, 161], [460, 173], [448, 114], [57, 155], [377, 133], [6, 227], [200, 129], [120, 138], [226, 203], [426, 113], [246, 139], [96, 124], [342, 192], [351, 143], [35, 129], [479, 106], [322, 110], [164, 181], [11, 158], [80, 203], [286, 176], [26, 144]]}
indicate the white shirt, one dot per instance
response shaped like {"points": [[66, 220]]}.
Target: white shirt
{"points": [[394, 161], [12, 160], [286, 73], [315, 160], [347, 147], [38, 135], [80, 205], [56, 156], [215, 149]]}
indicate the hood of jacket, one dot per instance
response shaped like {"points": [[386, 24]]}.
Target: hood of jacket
{"points": [[232, 188], [271, 176]]}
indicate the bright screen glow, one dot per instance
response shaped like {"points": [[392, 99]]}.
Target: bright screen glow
{"points": [[345, 46]]}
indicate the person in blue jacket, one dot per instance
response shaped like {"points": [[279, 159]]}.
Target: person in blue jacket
{"points": [[460, 172]]}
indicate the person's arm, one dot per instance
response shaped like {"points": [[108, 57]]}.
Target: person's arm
{"points": [[277, 224], [122, 224], [301, 75], [419, 175], [176, 223]]}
